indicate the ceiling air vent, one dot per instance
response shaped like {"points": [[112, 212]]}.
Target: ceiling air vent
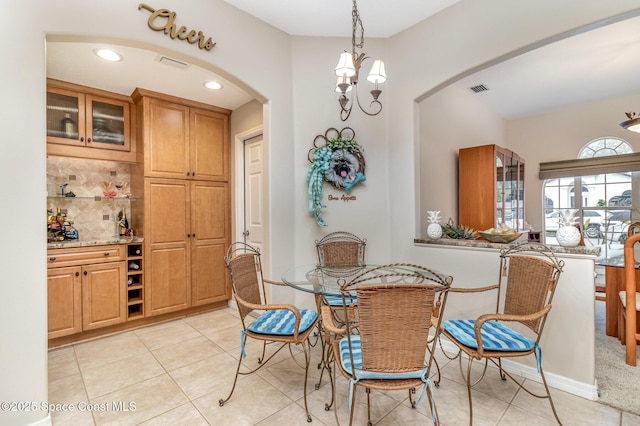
{"points": [[173, 62], [479, 88]]}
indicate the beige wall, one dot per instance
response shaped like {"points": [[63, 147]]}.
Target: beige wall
{"points": [[449, 120]]}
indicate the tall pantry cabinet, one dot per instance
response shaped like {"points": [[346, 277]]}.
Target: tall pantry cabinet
{"points": [[187, 210]]}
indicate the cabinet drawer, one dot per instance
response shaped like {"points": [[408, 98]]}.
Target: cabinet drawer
{"points": [[87, 255]]}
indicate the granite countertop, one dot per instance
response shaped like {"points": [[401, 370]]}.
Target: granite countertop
{"points": [[87, 242], [594, 251]]}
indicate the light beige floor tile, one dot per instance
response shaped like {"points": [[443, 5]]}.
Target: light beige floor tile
{"points": [[213, 374], [211, 321], [629, 419], [571, 409], [186, 415], [69, 390], [253, 401], [404, 415], [516, 416], [166, 334], [119, 374], [452, 404], [151, 398], [228, 338], [291, 415], [62, 363], [185, 353], [108, 349]]}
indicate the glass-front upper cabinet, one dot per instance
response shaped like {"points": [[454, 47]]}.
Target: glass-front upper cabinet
{"points": [[79, 119]]}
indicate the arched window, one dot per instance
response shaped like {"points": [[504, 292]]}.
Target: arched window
{"points": [[606, 205], [604, 147]]}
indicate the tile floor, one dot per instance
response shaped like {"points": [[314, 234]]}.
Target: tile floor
{"points": [[174, 373]]}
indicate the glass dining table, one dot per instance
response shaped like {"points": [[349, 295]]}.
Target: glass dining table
{"points": [[326, 281]]}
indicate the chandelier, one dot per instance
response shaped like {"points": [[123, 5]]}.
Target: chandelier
{"points": [[633, 122], [348, 70]]}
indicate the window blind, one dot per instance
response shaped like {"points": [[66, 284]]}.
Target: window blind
{"points": [[590, 166]]}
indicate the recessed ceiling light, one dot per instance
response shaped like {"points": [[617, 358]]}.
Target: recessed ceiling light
{"points": [[213, 85], [108, 55]]}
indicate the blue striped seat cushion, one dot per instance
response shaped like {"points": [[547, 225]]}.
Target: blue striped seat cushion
{"points": [[337, 300], [281, 322], [495, 336], [345, 360]]}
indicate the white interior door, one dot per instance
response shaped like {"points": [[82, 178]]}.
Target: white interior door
{"points": [[253, 197]]}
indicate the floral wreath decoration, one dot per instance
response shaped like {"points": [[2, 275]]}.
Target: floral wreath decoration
{"points": [[336, 158]]}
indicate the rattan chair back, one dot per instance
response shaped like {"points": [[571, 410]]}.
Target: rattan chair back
{"points": [[394, 318], [531, 282], [245, 270], [341, 249]]}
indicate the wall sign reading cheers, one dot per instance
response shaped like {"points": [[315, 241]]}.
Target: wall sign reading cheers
{"points": [[163, 20]]}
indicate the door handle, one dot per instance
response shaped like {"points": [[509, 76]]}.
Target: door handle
{"points": [[246, 233]]}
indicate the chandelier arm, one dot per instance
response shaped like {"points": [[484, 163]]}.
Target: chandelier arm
{"points": [[375, 101]]}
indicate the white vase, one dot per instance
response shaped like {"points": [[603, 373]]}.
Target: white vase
{"points": [[434, 231], [568, 236]]}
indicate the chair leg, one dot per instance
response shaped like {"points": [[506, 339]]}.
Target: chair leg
{"points": [[432, 405], [546, 387], [353, 404], [469, 390], [368, 407], [307, 361], [235, 380]]}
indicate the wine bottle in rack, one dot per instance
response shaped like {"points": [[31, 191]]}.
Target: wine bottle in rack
{"points": [[130, 281], [134, 266]]}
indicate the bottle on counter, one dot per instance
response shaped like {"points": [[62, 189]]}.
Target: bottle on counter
{"points": [[123, 224]]}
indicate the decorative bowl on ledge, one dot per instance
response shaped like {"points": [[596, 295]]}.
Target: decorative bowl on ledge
{"points": [[500, 238]]}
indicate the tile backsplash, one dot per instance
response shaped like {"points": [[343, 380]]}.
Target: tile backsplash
{"points": [[88, 179]]}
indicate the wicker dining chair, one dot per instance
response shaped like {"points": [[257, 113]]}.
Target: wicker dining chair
{"points": [[340, 250], [531, 272], [282, 324], [389, 349]]}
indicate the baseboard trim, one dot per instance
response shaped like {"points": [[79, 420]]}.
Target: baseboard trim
{"points": [[46, 421], [583, 390]]}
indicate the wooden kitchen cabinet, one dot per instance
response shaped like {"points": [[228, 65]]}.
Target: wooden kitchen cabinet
{"points": [[182, 139], [187, 234], [490, 188], [64, 302], [88, 123], [86, 289]]}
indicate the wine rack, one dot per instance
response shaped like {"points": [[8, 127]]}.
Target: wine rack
{"points": [[135, 281]]}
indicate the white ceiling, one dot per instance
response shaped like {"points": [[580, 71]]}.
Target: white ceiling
{"points": [[595, 65]]}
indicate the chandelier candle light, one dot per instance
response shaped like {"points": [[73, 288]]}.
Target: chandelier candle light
{"points": [[348, 70]]}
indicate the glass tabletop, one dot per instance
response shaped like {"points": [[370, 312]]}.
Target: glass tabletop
{"points": [[315, 279]]}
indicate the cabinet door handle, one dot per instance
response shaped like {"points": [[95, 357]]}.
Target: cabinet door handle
{"points": [[77, 274], [51, 259], [188, 173], [188, 235], [84, 273], [88, 140], [81, 138], [193, 174], [193, 235], [106, 253]]}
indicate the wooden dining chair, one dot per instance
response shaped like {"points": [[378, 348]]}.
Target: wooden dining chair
{"points": [[629, 306], [387, 349], [531, 272], [283, 324]]}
